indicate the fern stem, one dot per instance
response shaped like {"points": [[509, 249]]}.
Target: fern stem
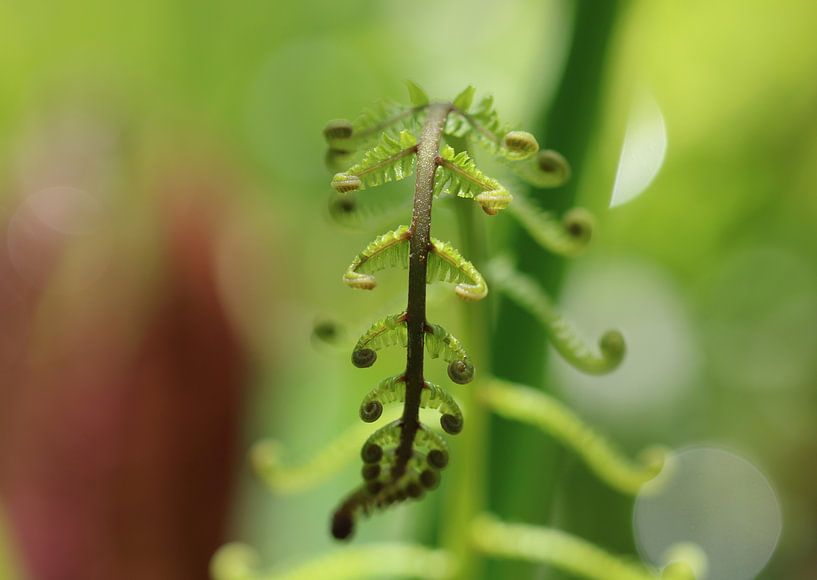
{"points": [[427, 160]]}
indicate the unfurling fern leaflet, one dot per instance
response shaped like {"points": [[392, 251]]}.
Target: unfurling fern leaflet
{"points": [[403, 459]]}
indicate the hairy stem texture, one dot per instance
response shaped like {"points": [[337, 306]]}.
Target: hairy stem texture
{"points": [[427, 160]]}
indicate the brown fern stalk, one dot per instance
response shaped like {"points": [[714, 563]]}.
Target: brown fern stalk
{"points": [[427, 162]]}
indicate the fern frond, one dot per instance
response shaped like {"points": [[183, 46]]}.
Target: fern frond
{"points": [[440, 341], [393, 390], [525, 292], [391, 160], [553, 547], [446, 264], [483, 123], [349, 211], [521, 403], [266, 458], [547, 169], [567, 237], [347, 137], [388, 331], [387, 250], [459, 175], [386, 482], [394, 560], [391, 331]]}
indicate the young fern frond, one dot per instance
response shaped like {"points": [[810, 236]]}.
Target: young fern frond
{"points": [[460, 176], [546, 169], [446, 264], [345, 138], [403, 459], [392, 330], [266, 459], [536, 408], [525, 292], [567, 237], [350, 211], [395, 560], [388, 331], [393, 389], [391, 160], [564, 551], [387, 250]]}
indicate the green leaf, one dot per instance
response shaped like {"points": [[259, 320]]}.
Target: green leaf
{"points": [[391, 160], [459, 175], [391, 331], [523, 290], [387, 250], [464, 99], [346, 138], [417, 95], [393, 390], [367, 212], [445, 263]]}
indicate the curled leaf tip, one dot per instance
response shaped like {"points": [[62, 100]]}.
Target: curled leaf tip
{"points": [[359, 281], [371, 411], [338, 129], [579, 223], [451, 424], [389, 249], [437, 458], [343, 524], [520, 144], [613, 347], [364, 358], [344, 182], [554, 164], [494, 201], [461, 371], [371, 453]]}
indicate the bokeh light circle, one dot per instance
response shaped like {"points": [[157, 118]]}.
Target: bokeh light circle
{"points": [[714, 499]]}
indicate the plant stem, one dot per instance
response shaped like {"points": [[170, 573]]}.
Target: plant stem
{"points": [[526, 479], [468, 474], [428, 150]]}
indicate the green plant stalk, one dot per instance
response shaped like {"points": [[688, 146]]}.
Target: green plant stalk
{"points": [[467, 474], [523, 483]]}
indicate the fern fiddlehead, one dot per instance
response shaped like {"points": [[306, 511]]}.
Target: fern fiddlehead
{"points": [[403, 459]]}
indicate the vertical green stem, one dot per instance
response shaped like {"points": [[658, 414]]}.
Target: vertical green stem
{"points": [[467, 473], [524, 468]]}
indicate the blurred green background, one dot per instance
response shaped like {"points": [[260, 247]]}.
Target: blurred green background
{"points": [[168, 252]]}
